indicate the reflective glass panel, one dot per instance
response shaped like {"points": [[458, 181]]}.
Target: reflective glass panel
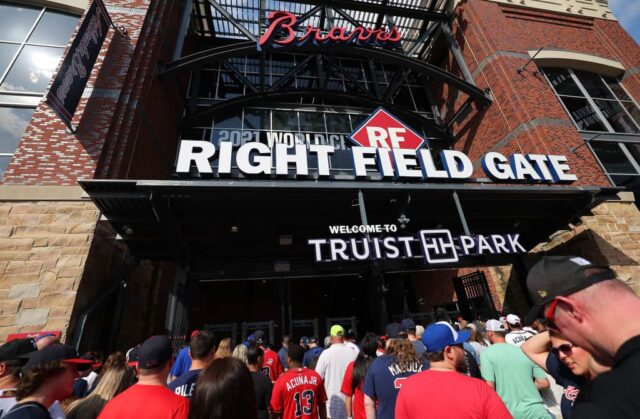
{"points": [[583, 114], [256, 119], [616, 116], [285, 120], [612, 157], [312, 121], [54, 28], [7, 52], [617, 89], [4, 162], [32, 70], [562, 82], [16, 21], [594, 85], [13, 122], [338, 123]]}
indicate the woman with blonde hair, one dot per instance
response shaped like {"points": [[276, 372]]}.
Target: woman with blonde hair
{"points": [[240, 352], [115, 377], [224, 349]]}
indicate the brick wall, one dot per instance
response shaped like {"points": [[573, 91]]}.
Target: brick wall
{"points": [[107, 118], [526, 116], [43, 249]]}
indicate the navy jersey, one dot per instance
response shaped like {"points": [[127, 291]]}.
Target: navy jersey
{"points": [[384, 380], [185, 385], [308, 356]]}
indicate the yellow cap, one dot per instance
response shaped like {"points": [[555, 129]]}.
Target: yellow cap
{"points": [[337, 330]]}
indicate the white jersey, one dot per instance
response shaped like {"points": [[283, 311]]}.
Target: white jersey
{"points": [[331, 366], [518, 337], [6, 402]]}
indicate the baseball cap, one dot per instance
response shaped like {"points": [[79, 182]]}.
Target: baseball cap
{"points": [[304, 340], [336, 330], [17, 349], [132, 356], [56, 352], [258, 336], [393, 330], [313, 339], [154, 352], [407, 324], [439, 335], [494, 325], [513, 319], [554, 276]]}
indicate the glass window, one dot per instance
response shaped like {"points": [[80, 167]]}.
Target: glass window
{"points": [[7, 52], [13, 122], [4, 162], [594, 85], [256, 119], [583, 114], [32, 70], [562, 82], [16, 21], [606, 107], [312, 121], [612, 157], [228, 122], [54, 28], [285, 120], [616, 116], [25, 67], [338, 123]]}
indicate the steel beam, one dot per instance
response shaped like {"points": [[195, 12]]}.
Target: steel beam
{"points": [[225, 13], [182, 30]]}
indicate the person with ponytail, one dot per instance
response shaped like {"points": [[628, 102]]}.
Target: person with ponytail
{"points": [[354, 377]]}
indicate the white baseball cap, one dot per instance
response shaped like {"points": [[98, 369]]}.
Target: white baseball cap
{"points": [[513, 319], [494, 326]]}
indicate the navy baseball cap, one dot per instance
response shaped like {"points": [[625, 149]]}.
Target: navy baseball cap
{"points": [[56, 352], [17, 349], [304, 340], [407, 324], [557, 276], [154, 352], [393, 330], [439, 335]]}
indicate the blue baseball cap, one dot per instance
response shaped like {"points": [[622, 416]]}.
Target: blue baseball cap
{"points": [[438, 336]]}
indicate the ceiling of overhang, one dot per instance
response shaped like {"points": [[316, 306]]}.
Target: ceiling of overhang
{"points": [[235, 229]]}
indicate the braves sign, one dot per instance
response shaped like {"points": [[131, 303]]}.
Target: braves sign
{"points": [[283, 31]]}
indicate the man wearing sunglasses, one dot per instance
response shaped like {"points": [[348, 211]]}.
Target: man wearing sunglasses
{"points": [[590, 308]]}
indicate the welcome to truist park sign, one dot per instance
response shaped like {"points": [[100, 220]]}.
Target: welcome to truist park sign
{"points": [[383, 148]]}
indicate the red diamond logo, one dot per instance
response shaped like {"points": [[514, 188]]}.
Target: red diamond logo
{"points": [[383, 130]]}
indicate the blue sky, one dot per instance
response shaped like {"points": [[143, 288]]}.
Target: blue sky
{"points": [[628, 14]]}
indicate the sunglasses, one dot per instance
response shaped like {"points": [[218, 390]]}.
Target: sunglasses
{"points": [[565, 348], [550, 314]]}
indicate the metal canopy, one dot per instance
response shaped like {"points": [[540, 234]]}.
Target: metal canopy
{"points": [[225, 229], [222, 31]]}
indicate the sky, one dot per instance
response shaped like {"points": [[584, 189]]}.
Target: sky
{"points": [[628, 14]]}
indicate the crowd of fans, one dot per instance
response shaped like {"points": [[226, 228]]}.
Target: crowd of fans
{"points": [[581, 360]]}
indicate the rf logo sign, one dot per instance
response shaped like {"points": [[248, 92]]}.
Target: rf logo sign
{"points": [[383, 130]]}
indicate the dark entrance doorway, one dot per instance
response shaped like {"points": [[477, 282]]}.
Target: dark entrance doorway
{"points": [[474, 297]]}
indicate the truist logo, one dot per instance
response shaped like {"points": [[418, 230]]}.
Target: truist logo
{"points": [[283, 31]]}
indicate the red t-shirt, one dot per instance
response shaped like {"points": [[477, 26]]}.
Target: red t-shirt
{"points": [[271, 365], [297, 394], [450, 395], [146, 401], [358, 395]]}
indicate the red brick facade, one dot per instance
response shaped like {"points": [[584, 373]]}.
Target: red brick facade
{"points": [[111, 117], [526, 116]]}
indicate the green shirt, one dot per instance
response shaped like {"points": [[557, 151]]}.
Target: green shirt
{"points": [[513, 374]]}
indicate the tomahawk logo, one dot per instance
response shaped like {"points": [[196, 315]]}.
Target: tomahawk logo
{"points": [[383, 130]]}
